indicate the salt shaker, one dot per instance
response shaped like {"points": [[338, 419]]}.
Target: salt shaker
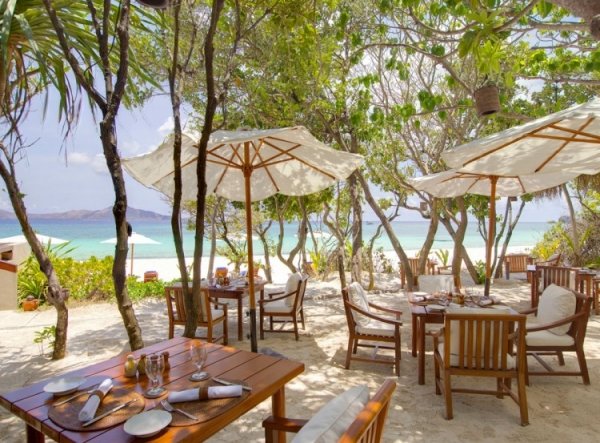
{"points": [[130, 366]]}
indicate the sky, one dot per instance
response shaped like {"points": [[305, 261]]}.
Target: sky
{"points": [[59, 175]]}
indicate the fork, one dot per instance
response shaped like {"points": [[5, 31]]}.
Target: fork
{"points": [[169, 408]]}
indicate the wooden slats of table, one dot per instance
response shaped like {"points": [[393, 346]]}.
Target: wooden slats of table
{"points": [[265, 374]]}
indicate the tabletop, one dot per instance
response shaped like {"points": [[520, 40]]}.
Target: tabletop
{"points": [[266, 375]]}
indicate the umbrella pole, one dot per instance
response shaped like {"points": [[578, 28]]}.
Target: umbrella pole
{"points": [[491, 236], [247, 173]]}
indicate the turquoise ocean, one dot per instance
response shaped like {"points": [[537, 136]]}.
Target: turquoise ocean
{"points": [[86, 236]]}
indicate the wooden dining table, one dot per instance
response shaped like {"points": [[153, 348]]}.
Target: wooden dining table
{"points": [[265, 375], [237, 292]]}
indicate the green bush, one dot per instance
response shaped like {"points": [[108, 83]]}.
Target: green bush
{"points": [[480, 268], [139, 290]]}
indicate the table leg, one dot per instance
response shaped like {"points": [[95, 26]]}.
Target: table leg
{"points": [[421, 349], [414, 335], [33, 435], [278, 410], [240, 318]]}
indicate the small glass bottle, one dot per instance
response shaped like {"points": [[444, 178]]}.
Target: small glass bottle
{"points": [[130, 366], [141, 366]]}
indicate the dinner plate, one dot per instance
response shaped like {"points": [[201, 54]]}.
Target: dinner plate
{"points": [[436, 307], [147, 423], [64, 385]]}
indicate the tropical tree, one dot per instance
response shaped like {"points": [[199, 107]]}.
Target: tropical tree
{"points": [[32, 64]]}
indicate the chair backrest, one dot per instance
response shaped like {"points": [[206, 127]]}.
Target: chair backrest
{"points": [[436, 283], [553, 260], [176, 305], [583, 304], [559, 275], [517, 262], [368, 425], [481, 342], [301, 291]]}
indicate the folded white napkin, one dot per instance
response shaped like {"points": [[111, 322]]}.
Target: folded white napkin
{"points": [[205, 393], [91, 406]]}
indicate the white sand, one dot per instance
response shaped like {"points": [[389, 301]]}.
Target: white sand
{"points": [[561, 409]]}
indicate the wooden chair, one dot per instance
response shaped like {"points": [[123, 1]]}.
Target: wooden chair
{"points": [[553, 260], [207, 316], [544, 276], [481, 345], [516, 263], [430, 269], [366, 427], [540, 340], [366, 327], [287, 306]]}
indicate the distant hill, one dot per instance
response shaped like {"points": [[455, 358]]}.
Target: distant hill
{"points": [[82, 214]]}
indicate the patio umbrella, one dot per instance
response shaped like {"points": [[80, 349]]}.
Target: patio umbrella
{"points": [[454, 183], [566, 140], [248, 166], [44, 239], [132, 240]]}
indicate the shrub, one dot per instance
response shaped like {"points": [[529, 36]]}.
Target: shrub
{"points": [[480, 268], [139, 290]]}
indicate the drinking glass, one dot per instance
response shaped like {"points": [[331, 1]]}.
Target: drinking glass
{"points": [[155, 365], [198, 356]]}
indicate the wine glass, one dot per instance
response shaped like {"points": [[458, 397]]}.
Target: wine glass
{"points": [[198, 356], [155, 365]]}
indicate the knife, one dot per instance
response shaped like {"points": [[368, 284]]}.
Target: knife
{"points": [[107, 413], [229, 383]]}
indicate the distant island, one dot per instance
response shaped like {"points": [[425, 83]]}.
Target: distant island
{"points": [[133, 215]]}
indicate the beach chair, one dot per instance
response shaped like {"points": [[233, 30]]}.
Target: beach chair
{"points": [[365, 327], [545, 276], [209, 315], [430, 269], [350, 417], [516, 263], [480, 343], [284, 306], [559, 326]]}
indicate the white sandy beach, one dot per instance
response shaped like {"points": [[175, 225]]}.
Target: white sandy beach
{"points": [[561, 409]]}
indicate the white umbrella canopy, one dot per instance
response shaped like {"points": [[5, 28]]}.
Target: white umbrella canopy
{"points": [[455, 182], [132, 240], [566, 140], [44, 239], [248, 166]]}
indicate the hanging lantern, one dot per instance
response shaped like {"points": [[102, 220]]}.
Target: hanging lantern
{"points": [[487, 100], [156, 4]]}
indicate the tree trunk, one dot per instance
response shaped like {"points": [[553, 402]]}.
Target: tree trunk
{"points": [[574, 228], [460, 253], [119, 271], [357, 231], [388, 228], [56, 296], [213, 239], [589, 10], [428, 243]]}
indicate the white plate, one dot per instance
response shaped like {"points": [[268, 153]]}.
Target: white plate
{"points": [[64, 385], [147, 423], [436, 307]]}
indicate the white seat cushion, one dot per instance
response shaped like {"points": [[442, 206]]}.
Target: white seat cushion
{"points": [[547, 338], [510, 360], [332, 420], [357, 296], [435, 283], [374, 327], [556, 303], [277, 306]]}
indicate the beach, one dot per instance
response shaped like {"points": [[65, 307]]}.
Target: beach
{"points": [[560, 408]]}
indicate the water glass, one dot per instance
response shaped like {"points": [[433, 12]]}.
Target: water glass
{"points": [[155, 365], [198, 355]]}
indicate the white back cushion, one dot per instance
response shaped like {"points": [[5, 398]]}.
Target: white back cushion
{"points": [[291, 286], [435, 283], [555, 304], [332, 420], [358, 297]]}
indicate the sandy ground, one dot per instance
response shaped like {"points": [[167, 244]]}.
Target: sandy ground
{"points": [[561, 409]]}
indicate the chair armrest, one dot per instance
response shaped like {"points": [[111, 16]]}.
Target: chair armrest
{"points": [[291, 294], [387, 320], [564, 321], [390, 310], [437, 334], [283, 424]]}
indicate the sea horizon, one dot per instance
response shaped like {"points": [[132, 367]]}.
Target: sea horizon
{"points": [[86, 236]]}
